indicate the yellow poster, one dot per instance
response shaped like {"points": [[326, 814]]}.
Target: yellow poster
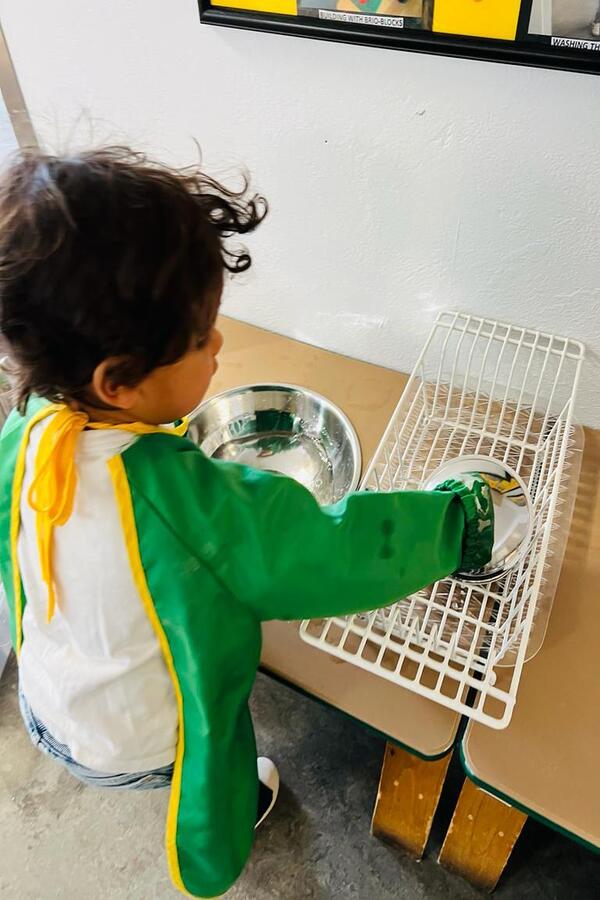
{"points": [[477, 18], [281, 7]]}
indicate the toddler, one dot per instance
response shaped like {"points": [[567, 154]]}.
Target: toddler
{"points": [[137, 571]]}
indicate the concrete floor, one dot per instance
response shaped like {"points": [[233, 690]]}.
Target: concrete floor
{"points": [[59, 839]]}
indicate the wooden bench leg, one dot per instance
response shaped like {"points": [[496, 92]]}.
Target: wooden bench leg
{"points": [[408, 795], [481, 836]]}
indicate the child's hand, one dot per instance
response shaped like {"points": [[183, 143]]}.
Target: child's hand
{"points": [[476, 497]]}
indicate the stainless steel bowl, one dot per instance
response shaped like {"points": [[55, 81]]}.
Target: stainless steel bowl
{"points": [[512, 511], [285, 429]]}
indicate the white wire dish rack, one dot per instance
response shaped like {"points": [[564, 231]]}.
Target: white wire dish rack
{"points": [[479, 387]]}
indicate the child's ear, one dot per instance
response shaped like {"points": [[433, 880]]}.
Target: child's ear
{"points": [[106, 387]]}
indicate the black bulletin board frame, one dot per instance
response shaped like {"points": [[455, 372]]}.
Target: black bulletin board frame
{"points": [[526, 50]]}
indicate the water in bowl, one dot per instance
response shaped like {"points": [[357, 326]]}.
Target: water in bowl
{"points": [[298, 455]]}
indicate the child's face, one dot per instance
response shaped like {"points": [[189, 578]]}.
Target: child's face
{"points": [[167, 393], [171, 392]]}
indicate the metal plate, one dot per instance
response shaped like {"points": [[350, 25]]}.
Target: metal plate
{"points": [[285, 429], [512, 511]]}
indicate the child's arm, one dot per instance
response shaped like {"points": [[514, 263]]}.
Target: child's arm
{"points": [[287, 558]]}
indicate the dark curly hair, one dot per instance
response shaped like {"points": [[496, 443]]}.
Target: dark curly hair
{"points": [[107, 254]]}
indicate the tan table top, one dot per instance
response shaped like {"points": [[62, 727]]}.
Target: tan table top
{"points": [[548, 759], [368, 395]]}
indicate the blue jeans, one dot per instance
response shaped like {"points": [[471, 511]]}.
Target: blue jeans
{"points": [[141, 781]]}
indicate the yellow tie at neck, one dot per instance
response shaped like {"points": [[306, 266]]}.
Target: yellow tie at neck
{"points": [[52, 491]]}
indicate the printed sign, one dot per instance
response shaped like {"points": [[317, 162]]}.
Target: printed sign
{"points": [[561, 34]]}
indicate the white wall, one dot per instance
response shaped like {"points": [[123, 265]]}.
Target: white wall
{"points": [[399, 184], [8, 141]]}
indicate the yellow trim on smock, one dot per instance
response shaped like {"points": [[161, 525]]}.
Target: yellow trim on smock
{"points": [[15, 521], [125, 506], [54, 483]]}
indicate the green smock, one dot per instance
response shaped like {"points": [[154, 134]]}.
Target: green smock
{"points": [[215, 549]]}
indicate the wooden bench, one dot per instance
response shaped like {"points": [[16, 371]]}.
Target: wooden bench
{"points": [[420, 733], [547, 762]]}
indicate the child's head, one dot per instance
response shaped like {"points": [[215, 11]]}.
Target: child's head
{"points": [[111, 273]]}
